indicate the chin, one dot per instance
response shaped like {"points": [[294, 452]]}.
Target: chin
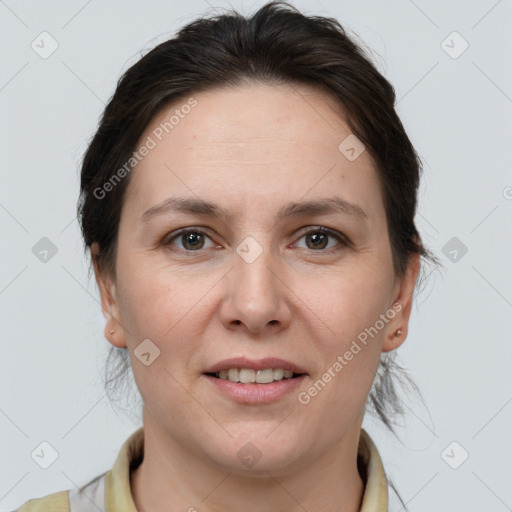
{"points": [[257, 455]]}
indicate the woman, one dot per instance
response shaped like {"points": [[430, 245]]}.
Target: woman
{"points": [[248, 201]]}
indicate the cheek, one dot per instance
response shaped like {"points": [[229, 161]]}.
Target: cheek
{"points": [[152, 309], [354, 301], [166, 306], [148, 309], [356, 311], [153, 299]]}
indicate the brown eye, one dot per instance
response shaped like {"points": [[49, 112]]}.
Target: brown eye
{"points": [[319, 239], [193, 240], [190, 240]]}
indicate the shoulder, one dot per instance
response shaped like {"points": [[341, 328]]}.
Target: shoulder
{"points": [[88, 498], [112, 487], [56, 502]]}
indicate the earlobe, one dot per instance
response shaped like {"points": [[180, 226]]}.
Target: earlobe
{"points": [[393, 340], [113, 335]]}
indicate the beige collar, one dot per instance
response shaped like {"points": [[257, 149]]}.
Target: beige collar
{"points": [[118, 497]]}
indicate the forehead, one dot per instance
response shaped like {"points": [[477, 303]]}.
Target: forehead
{"points": [[250, 117], [260, 140]]}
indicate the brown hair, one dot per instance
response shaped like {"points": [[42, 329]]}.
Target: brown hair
{"points": [[277, 44]]}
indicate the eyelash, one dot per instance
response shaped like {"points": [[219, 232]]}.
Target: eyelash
{"points": [[343, 241]]}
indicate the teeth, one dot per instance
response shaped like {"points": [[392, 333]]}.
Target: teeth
{"points": [[248, 376], [264, 376], [278, 374], [233, 375]]}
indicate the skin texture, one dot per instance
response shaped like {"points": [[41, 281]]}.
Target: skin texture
{"points": [[252, 149]]}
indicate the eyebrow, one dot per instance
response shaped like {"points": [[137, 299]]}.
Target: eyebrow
{"points": [[198, 206]]}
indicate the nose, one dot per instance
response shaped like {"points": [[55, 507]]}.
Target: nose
{"points": [[257, 297]]}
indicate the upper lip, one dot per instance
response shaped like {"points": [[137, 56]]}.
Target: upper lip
{"points": [[254, 364]]}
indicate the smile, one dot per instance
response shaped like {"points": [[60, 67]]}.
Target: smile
{"points": [[250, 376]]}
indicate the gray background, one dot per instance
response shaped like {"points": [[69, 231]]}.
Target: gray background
{"points": [[457, 109]]}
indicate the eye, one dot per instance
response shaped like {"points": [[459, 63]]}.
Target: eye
{"points": [[191, 239], [317, 239]]}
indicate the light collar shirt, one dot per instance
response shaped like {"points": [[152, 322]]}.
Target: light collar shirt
{"points": [[110, 491]]}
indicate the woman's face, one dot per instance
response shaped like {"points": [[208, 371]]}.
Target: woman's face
{"points": [[253, 277]]}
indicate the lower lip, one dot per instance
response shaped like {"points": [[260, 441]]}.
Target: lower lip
{"points": [[256, 393]]}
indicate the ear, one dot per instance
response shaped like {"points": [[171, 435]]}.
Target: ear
{"points": [[109, 303], [402, 305]]}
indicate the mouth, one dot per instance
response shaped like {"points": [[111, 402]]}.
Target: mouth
{"points": [[242, 370], [251, 376]]}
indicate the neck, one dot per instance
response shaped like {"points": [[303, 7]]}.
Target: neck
{"points": [[170, 478]]}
